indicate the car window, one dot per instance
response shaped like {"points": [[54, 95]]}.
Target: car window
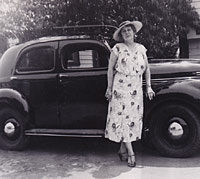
{"points": [[83, 56], [36, 59], [83, 59]]}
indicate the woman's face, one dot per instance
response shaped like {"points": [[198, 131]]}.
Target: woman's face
{"points": [[127, 33]]}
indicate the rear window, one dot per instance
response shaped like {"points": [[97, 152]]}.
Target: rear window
{"points": [[36, 59]]}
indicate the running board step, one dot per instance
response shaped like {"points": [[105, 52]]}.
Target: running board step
{"points": [[66, 132]]}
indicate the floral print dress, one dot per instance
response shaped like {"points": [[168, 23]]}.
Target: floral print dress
{"points": [[125, 110]]}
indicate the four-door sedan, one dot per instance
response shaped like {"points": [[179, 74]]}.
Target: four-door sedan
{"points": [[55, 86]]}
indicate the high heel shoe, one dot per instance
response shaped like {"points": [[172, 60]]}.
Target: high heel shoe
{"points": [[123, 156], [131, 162]]}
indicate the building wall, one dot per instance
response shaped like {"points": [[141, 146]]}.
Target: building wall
{"points": [[196, 4], [193, 37]]}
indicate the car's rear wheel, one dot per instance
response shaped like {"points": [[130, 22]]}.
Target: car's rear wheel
{"points": [[175, 131], [12, 126]]}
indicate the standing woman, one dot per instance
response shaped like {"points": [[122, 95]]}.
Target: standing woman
{"points": [[128, 62]]}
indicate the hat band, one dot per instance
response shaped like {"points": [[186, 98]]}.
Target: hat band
{"points": [[123, 23]]}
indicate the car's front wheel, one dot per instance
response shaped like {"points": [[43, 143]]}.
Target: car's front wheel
{"points": [[175, 131], [12, 126]]}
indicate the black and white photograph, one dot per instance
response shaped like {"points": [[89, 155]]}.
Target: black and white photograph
{"points": [[99, 89]]}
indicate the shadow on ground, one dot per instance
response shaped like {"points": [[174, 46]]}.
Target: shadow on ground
{"points": [[103, 148], [50, 157]]}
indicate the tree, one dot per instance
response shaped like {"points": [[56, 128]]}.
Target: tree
{"points": [[163, 20]]}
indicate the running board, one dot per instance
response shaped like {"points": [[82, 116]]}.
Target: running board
{"points": [[65, 132]]}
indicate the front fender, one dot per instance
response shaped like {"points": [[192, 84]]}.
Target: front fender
{"points": [[13, 96], [190, 87], [185, 92]]}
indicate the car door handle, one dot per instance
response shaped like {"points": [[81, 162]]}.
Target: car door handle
{"points": [[61, 75], [13, 78]]}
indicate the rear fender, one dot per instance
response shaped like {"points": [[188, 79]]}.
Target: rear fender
{"points": [[13, 98]]}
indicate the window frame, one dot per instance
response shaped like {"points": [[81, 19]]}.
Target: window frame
{"points": [[95, 46], [29, 48]]}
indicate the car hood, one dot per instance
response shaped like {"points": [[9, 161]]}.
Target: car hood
{"points": [[175, 67]]}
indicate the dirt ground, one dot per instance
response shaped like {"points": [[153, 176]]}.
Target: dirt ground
{"points": [[73, 158]]}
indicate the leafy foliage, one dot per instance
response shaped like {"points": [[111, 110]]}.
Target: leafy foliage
{"points": [[163, 20]]}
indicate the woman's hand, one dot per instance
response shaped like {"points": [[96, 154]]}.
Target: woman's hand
{"points": [[150, 93], [108, 94]]}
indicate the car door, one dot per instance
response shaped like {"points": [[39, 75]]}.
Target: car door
{"points": [[36, 79], [83, 84]]}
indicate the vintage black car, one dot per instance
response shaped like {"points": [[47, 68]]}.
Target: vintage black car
{"points": [[55, 86]]}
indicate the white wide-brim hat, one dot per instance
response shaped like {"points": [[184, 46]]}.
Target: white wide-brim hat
{"points": [[117, 37]]}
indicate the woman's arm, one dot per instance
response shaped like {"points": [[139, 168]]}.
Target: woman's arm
{"points": [[150, 92], [110, 75]]}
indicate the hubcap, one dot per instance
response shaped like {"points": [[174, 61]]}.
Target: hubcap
{"points": [[9, 129], [176, 128]]}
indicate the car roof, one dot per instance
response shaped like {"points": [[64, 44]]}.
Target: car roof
{"points": [[92, 32], [54, 38], [10, 56]]}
